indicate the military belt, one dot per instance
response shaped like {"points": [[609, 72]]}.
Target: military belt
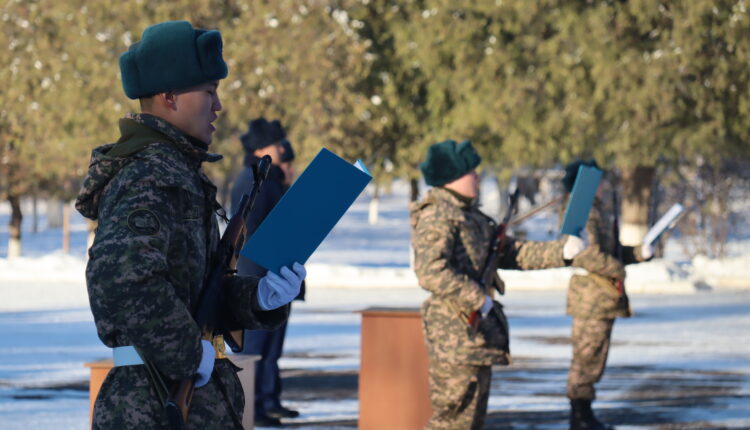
{"points": [[128, 356], [125, 356]]}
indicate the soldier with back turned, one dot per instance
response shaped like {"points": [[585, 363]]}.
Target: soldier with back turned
{"points": [[595, 299], [451, 240]]}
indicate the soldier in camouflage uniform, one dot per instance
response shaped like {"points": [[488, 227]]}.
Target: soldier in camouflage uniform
{"points": [[595, 299], [451, 239], [157, 234]]}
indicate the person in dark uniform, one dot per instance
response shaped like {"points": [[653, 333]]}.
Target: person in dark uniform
{"points": [[264, 138]]}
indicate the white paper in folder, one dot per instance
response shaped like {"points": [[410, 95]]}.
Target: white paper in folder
{"points": [[666, 222]]}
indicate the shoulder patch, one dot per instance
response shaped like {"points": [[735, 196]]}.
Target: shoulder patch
{"points": [[144, 222], [431, 236]]}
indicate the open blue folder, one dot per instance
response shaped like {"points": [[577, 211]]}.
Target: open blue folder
{"points": [[581, 200], [307, 212]]}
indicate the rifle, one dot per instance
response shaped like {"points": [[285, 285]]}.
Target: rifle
{"points": [[206, 314], [497, 248], [623, 299], [524, 216]]}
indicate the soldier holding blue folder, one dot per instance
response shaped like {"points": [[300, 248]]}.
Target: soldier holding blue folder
{"points": [[594, 300], [157, 233], [451, 239]]}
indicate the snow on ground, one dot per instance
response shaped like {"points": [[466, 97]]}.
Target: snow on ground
{"points": [[689, 332], [681, 344]]}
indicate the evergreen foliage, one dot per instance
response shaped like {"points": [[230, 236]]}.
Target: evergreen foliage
{"points": [[531, 83]]}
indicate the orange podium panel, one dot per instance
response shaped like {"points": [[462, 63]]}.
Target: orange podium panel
{"points": [[99, 371], [393, 375]]}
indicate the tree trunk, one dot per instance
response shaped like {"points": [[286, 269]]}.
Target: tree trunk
{"points": [[655, 200], [636, 190], [225, 194], [34, 214], [66, 228], [503, 201], [54, 213], [372, 215], [414, 187], [14, 227]]}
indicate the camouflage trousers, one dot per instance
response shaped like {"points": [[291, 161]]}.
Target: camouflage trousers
{"points": [[590, 341], [459, 395]]}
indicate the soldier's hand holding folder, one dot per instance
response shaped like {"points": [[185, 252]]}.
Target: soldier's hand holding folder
{"points": [[573, 246], [275, 290]]}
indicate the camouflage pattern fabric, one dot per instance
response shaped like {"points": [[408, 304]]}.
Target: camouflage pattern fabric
{"points": [[451, 239], [126, 400], [156, 235], [590, 340], [595, 295], [459, 396], [594, 300]]}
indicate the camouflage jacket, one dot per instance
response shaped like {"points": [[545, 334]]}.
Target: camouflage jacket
{"points": [[156, 235], [451, 240], [595, 294]]}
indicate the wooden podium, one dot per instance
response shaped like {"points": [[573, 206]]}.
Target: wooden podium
{"points": [[99, 371], [393, 375], [247, 379]]}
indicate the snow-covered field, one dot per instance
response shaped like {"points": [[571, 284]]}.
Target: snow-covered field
{"points": [[681, 362], [681, 359]]}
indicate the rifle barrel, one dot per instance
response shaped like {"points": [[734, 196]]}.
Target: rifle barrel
{"points": [[533, 211]]}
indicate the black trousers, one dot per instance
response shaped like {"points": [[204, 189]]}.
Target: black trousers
{"points": [[268, 344]]}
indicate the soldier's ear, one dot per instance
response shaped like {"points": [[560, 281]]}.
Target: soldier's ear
{"points": [[161, 101], [169, 100]]}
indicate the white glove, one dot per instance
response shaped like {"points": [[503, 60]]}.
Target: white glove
{"points": [[574, 245], [486, 306], [647, 251], [207, 364], [275, 291]]}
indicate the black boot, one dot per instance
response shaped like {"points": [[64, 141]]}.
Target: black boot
{"points": [[582, 417], [266, 421], [282, 412]]}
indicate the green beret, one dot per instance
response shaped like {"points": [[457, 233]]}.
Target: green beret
{"points": [[448, 161], [171, 56], [571, 172]]}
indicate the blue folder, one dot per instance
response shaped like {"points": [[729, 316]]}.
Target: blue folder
{"points": [[307, 212], [581, 200]]}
